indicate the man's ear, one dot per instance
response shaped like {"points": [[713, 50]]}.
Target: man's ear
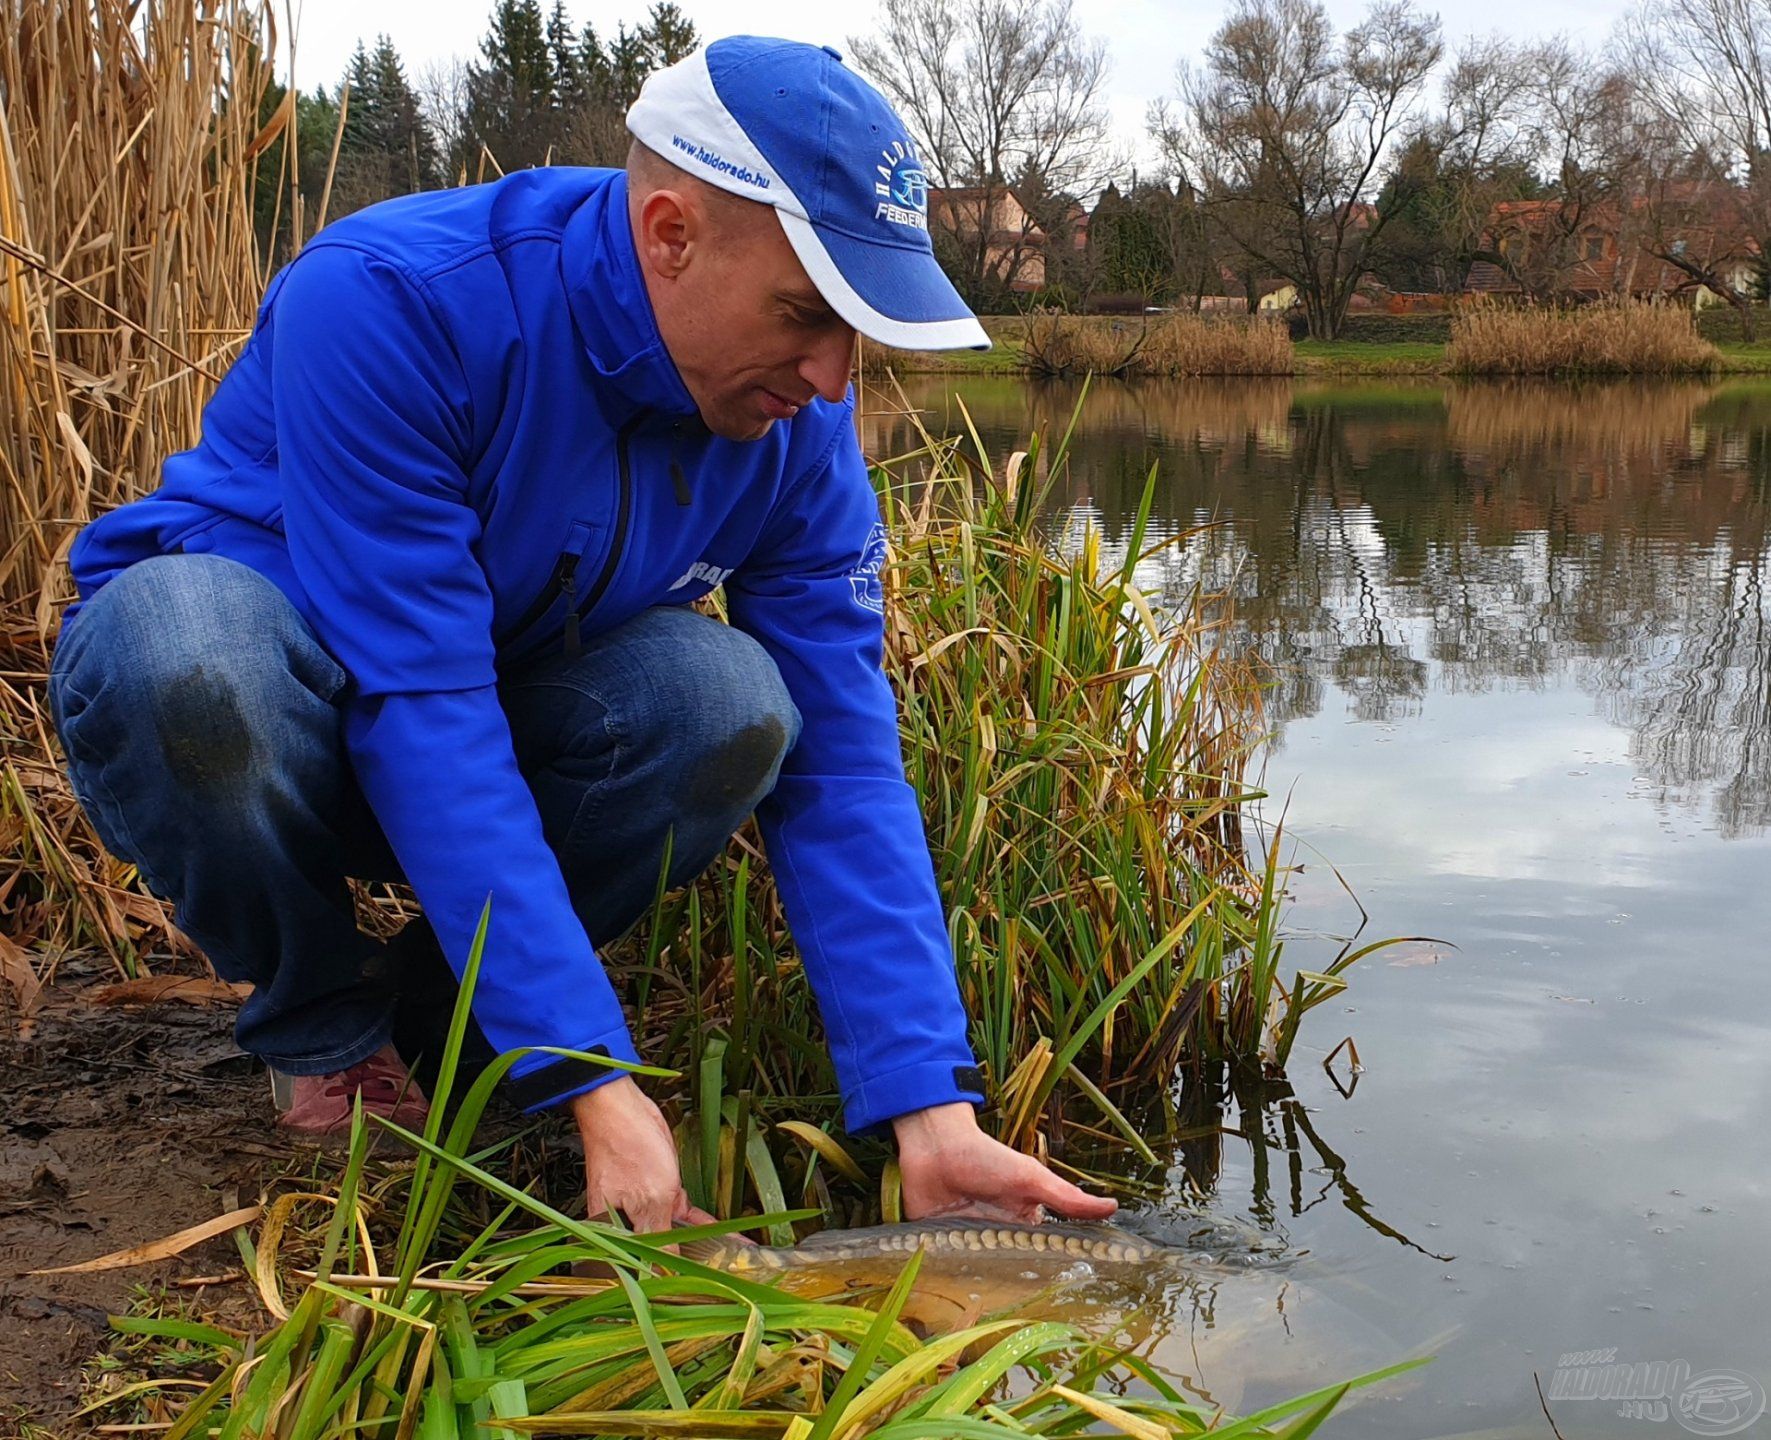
{"points": [[671, 228]]}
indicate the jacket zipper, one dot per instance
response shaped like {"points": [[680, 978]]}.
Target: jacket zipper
{"points": [[623, 516], [561, 579]]}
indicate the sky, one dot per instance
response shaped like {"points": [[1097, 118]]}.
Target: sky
{"points": [[1145, 38]]}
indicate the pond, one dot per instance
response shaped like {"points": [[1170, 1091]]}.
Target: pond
{"points": [[1521, 644]]}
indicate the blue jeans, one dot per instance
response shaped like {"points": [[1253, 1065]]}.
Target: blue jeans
{"points": [[200, 717]]}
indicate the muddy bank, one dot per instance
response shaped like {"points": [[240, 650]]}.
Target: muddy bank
{"points": [[119, 1125]]}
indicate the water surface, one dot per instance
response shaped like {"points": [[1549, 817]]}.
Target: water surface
{"points": [[1522, 702]]}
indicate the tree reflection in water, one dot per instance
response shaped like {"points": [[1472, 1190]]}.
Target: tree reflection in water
{"points": [[1390, 540]]}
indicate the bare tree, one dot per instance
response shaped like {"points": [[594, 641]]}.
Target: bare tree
{"points": [[1284, 131], [995, 92], [442, 89], [1477, 151], [1702, 70], [1588, 145]]}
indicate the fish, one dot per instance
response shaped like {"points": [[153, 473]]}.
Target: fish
{"points": [[970, 1243], [1226, 1314]]}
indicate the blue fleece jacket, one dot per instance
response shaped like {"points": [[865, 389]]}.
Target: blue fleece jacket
{"points": [[454, 427]]}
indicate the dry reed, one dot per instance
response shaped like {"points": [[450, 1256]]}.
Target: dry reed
{"points": [[1168, 346], [1613, 338], [129, 140], [129, 274]]}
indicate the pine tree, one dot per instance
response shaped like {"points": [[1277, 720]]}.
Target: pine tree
{"points": [[512, 106], [570, 87], [595, 65], [630, 61], [669, 35], [388, 148], [516, 50]]}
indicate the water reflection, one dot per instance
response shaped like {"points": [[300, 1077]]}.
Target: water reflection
{"points": [[1387, 542]]}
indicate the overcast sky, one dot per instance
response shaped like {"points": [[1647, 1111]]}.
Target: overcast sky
{"points": [[1144, 37]]}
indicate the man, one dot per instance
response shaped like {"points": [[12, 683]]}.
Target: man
{"points": [[417, 606]]}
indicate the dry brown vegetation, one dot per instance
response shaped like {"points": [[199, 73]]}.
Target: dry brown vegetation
{"points": [[1623, 338], [129, 275], [1167, 346]]}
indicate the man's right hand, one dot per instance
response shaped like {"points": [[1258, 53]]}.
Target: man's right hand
{"points": [[630, 1163]]}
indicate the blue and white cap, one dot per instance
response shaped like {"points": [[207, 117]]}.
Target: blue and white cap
{"points": [[791, 126]]}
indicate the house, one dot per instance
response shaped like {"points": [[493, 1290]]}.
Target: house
{"points": [[1618, 248], [1015, 248]]}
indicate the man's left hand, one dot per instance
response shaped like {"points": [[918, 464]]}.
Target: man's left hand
{"points": [[951, 1167]]}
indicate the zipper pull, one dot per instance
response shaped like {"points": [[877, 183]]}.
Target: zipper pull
{"points": [[681, 481], [570, 585]]}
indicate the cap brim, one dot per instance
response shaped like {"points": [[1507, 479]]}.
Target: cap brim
{"points": [[893, 296]]}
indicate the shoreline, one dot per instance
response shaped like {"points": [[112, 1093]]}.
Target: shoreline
{"points": [[1344, 360], [1313, 359]]}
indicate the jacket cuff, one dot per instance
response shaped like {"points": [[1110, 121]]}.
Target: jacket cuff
{"points": [[916, 1087], [544, 1080]]}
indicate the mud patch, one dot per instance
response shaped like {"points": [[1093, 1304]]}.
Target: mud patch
{"points": [[124, 1124], [203, 732], [120, 1125], [735, 770]]}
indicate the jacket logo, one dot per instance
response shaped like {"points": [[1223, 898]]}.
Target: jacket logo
{"points": [[864, 578], [714, 575]]}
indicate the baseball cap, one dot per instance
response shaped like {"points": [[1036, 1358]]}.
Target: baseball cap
{"points": [[791, 126]]}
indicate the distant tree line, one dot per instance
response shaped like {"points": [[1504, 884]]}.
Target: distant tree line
{"points": [[540, 91], [1294, 159]]}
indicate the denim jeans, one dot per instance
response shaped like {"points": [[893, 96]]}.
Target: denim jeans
{"points": [[200, 717]]}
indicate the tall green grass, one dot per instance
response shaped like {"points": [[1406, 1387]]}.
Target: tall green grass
{"points": [[1080, 749], [498, 1340]]}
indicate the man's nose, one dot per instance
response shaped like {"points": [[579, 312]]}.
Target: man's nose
{"points": [[828, 366]]}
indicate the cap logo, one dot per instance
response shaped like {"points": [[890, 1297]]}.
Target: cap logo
{"points": [[713, 160], [902, 187]]}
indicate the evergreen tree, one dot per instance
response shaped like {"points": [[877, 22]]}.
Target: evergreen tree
{"points": [[516, 50], [594, 64], [570, 82], [512, 109], [387, 148], [669, 35], [630, 61]]}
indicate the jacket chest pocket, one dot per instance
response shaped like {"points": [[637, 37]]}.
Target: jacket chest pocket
{"points": [[561, 600]]}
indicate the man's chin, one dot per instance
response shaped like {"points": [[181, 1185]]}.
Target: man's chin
{"points": [[741, 427]]}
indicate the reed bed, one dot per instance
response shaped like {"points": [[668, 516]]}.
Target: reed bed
{"points": [[1172, 346], [130, 149], [1626, 337], [1080, 756], [129, 268]]}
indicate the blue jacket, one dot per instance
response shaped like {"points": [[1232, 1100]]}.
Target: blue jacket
{"points": [[455, 414]]}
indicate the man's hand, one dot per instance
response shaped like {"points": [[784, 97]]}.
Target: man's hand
{"points": [[951, 1167], [630, 1161]]}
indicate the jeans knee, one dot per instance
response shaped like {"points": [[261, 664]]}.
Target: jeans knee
{"points": [[194, 661], [745, 740]]}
